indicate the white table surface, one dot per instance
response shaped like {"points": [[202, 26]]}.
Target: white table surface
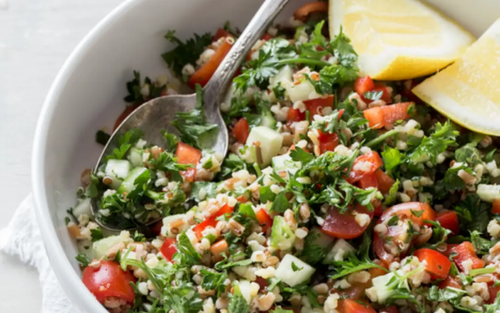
{"points": [[36, 36]]}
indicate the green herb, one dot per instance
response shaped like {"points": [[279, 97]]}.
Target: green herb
{"points": [[392, 158], [393, 221], [280, 310], [83, 259], [135, 86], [295, 268], [232, 163], [102, 137], [213, 281], [238, 304], [171, 141], [373, 95], [393, 193], [280, 203], [138, 237], [247, 210], [96, 234], [186, 254], [352, 265], [125, 142], [279, 91], [210, 189], [481, 271], [185, 52], [226, 263], [443, 137]]}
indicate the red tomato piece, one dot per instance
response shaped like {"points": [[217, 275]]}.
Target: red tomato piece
{"points": [[379, 117], [449, 282], [186, 154], [379, 249], [294, 115], [156, 228], [384, 181], [493, 291], [241, 130], [221, 32], [169, 248], [304, 11], [495, 207], [356, 173], [353, 306], [407, 210], [465, 251], [369, 180], [344, 225], [203, 75], [363, 84], [189, 174], [437, 264], [265, 221], [262, 283], [128, 110], [316, 106], [449, 220], [389, 309], [449, 248], [327, 141], [109, 280], [378, 211], [212, 220], [266, 37], [386, 96]]}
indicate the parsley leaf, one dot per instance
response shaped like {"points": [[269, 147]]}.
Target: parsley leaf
{"points": [[280, 203], [213, 281], [185, 52], [352, 265], [238, 304], [443, 137], [171, 141], [96, 234], [83, 259], [125, 142], [186, 254], [295, 268]]}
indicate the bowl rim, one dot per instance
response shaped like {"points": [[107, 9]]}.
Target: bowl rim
{"points": [[70, 281]]}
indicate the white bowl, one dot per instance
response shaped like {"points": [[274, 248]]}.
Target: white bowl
{"points": [[89, 88]]}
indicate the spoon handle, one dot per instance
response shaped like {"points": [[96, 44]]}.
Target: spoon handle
{"points": [[218, 84]]}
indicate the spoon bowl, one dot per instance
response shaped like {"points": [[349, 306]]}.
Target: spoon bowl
{"points": [[159, 113]]}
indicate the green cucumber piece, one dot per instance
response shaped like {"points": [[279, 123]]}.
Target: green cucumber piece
{"points": [[128, 184], [118, 168], [293, 271], [270, 142], [282, 236]]}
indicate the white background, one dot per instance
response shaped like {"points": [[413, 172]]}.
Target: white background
{"points": [[36, 36]]}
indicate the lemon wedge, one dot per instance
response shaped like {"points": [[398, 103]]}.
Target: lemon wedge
{"points": [[398, 39], [468, 91]]}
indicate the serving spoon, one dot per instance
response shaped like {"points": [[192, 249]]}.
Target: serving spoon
{"points": [[158, 114]]}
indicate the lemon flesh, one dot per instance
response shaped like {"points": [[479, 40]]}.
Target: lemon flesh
{"points": [[398, 39], [468, 91]]}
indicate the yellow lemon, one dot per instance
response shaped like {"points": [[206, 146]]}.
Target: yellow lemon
{"points": [[398, 39], [468, 91]]}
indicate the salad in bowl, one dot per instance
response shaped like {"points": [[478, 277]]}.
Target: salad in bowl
{"points": [[339, 193]]}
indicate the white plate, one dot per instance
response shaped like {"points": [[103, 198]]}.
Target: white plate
{"points": [[88, 92]]}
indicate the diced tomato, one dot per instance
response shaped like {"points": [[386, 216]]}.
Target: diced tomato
{"points": [[242, 199], [156, 228], [327, 141], [369, 180], [203, 75], [386, 96], [378, 211], [109, 280], [304, 11], [189, 174], [292, 147], [169, 248], [449, 220], [221, 32], [186, 154], [316, 106], [357, 290], [265, 221], [437, 264], [379, 249], [384, 181], [410, 210], [449, 282], [266, 37], [212, 220], [128, 110], [449, 248], [353, 306], [219, 248], [389, 309], [262, 283], [371, 157], [294, 115], [465, 251], [241, 130], [344, 225], [363, 84], [495, 208], [379, 117], [493, 291]]}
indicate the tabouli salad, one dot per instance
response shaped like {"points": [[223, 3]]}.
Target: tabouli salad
{"points": [[338, 194]]}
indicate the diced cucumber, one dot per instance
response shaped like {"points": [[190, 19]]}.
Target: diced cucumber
{"points": [[166, 230], [82, 207], [135, 157], [101, 247], [282, 236], [118, 168], [339, 245], [128, 184], [299, 92], [488, 193], [285, 163], [268, 121], [244, 288], [293, 271], [384, 291], [285, 73], [320, 238], [270, 142]]}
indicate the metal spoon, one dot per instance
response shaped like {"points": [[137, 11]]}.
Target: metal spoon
{"points": [[158, 113]]}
